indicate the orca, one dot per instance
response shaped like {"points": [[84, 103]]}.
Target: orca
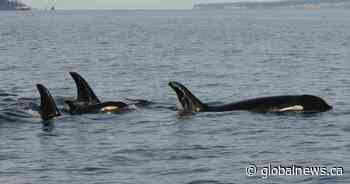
{"points": [[85, 95], [48, 108], [288, 103], [88, 102]]}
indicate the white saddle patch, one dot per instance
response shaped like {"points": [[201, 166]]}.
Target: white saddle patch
{"points": [[110, 109], [292, 108]]}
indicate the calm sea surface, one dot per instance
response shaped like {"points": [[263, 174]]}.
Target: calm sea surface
{"points": [[222, 56]]}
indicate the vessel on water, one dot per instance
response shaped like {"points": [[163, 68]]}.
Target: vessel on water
{"points": [[13, 5]]}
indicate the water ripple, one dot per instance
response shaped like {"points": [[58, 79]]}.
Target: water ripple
{"points": [[220, 55]]}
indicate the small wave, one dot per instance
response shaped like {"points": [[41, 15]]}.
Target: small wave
{"points": [[124, 161], [8, 68], [249, 132], [346, 129], [7, 95], [205, 182], [48, 134], [95, 170], [6, 178], [14, 115], [6, 34], [17, 109], [107, 59], [185, 171], [7, 100], [182, 157], [103, 42]]}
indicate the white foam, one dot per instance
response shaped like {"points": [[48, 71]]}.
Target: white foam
{"points": [[33, 113]]}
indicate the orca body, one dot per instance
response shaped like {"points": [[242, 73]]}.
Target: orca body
{"points": [[107, 107], [289, 103], [48, 108], [88, 102]]}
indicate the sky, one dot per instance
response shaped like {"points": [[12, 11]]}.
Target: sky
{"points": [[110, 4], [211, 1], [120, 4]]}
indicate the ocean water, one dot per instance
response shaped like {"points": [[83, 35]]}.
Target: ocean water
{"points": [[221, 56]]}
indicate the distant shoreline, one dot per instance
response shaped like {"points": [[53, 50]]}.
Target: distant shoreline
{"points": [[17, 9], [6, 5], [272, 4]]}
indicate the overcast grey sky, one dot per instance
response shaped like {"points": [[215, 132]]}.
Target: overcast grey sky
{"points": [[204, 1], [212, 1], [120, 4], [111, 4]]}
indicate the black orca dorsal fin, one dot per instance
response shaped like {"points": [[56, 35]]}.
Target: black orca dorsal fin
{"points": [[48, 108], [84, 91], [189, 102]]}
